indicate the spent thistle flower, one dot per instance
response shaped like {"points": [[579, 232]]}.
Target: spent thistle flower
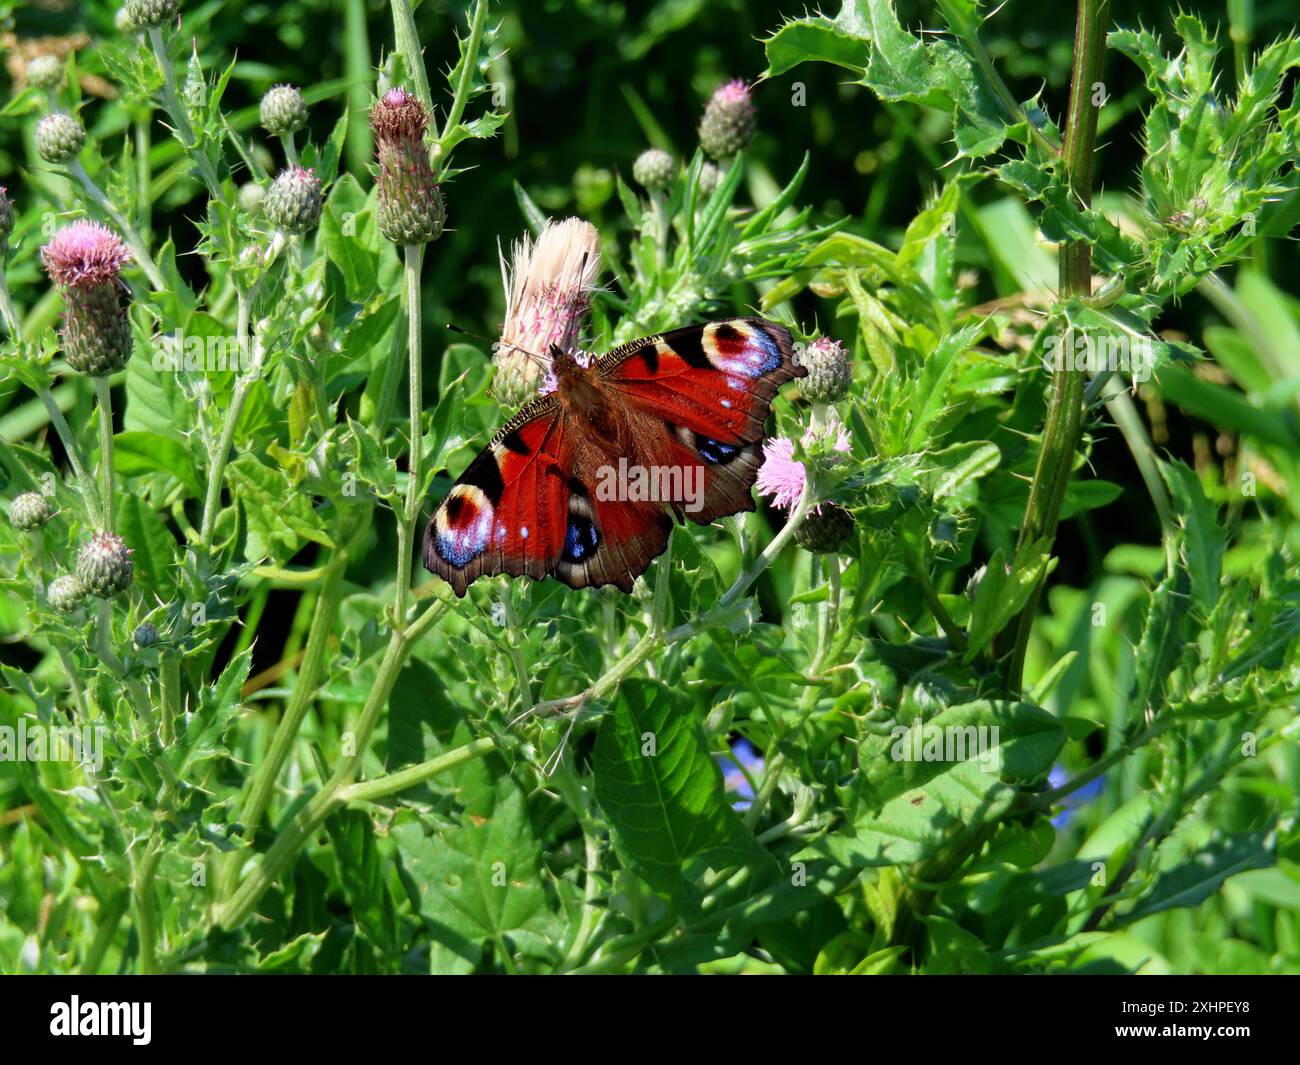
{"points": [[411, 207], [151, 14], [548, 292], [282, 111], [65, 593], [59, 137], [654, 170], [45, 72], [84, 261], [294, 202], [829, 371], [29, 511], [104, 565], [729, 121]]}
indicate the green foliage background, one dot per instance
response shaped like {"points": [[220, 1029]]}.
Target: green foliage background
{"points": [[887, 201]]}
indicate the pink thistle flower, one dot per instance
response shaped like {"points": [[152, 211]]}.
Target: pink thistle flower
{"points": [[84, 254], [729, 121], [411, 206], [781, 477]]}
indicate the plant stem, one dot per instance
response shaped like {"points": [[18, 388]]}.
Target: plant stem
{"points": [[139, 249], [220, 457], [414, 255], [179, 116], [280, 856], [1064, 423], [110, 916], [392, 783], [105, 397], [259, 795], [80, 468], [145, 909], [290, 149], [477, 24], [408, 44]]}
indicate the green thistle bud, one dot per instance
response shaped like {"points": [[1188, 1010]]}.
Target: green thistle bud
{"points": [[710, 178], [729, 122], [825, 529], [6, 220], [59, 137], [145, 635], [829, 371], [65, 593], [251, 197], [84, 260], [411, 208], [151, 14], [45, 72], [294, 202], [30, 510], [104, 565], [654, 170], [283, 111]]}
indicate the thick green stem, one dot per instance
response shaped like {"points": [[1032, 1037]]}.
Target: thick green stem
{"points": [[180, 117], [408, 45], [259, 795], [80, 468], [146, 924], [414, 255], [212, 500], [1062, 430], [106, 492], [110, 916], [392, 783]]}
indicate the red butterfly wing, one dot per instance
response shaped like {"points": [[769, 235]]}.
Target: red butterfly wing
{"points": [[712, 387], [507, 511]]}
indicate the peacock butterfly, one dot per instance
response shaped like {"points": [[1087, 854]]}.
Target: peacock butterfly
{"points": [[584, 482]]}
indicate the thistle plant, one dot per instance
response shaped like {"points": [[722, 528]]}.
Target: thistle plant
{"points": [[998, 674]]}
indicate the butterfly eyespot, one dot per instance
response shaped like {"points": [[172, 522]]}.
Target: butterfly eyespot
{"points": [[581, 538], [463, 525], [740, 349], [715, 451]]}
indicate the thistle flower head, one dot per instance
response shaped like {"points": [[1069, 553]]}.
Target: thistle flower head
{"points": [[782, 476], [411, 207], [294, 201], [282, 110], [45, 72], [104, 565], [29, 511], [151, 14], [84, 254], [145, 635], [548, 286], [65, 593], [825, 529], [654, 170], [84, 260], [59, 137], [710, 178], [729, 121], [829, 371]]}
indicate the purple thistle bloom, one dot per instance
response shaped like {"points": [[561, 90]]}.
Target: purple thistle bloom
{"points": [[84, 254], [781, 477]]}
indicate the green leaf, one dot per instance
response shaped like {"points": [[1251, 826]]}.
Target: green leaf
{"points": [[662, 792], [280, 516], [923, 784], [139, 453], [1204, 537], [478, 885], [1194, 881], [153, 547], [1002, 591], [218, 703]]}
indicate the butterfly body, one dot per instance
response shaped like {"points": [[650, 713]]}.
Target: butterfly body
{"points": [[584, 483]]}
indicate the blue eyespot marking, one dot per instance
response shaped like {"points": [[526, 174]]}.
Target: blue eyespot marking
{"points": [[715, 451], [581, 538]]}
